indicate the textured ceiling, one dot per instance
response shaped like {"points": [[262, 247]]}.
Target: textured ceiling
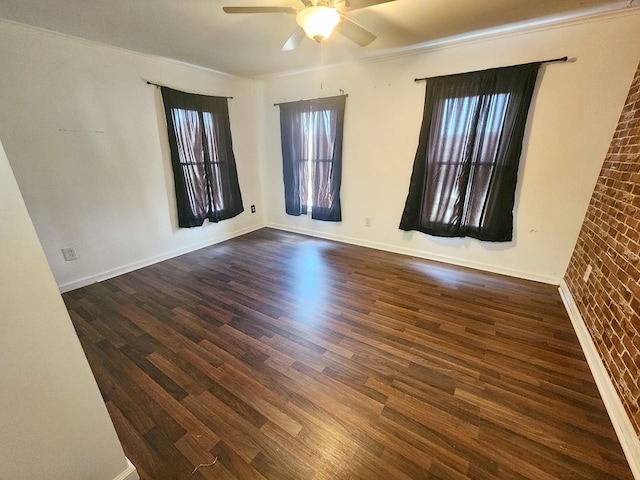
{"points": [[200, 33]]}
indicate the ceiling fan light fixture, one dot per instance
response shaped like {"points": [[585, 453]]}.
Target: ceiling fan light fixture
{"points": [[318, 22]]}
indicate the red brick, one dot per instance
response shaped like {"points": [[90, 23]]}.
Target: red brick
{"points": [[610, 241]]}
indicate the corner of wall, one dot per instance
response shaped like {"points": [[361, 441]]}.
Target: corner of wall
{"points": [[621, 423], [130, 473]]}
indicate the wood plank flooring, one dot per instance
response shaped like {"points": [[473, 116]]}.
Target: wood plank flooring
{"points": [[291, 357]]}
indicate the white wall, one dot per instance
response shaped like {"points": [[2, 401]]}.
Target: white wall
{"points": [[53, 422], [87, 141], [574, 114]]}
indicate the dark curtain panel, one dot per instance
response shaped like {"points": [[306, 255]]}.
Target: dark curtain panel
{"points": [[465, 170], [311, 133], [204, 167]]}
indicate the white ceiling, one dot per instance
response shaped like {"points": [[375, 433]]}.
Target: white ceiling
{"points": [[200, 33]]}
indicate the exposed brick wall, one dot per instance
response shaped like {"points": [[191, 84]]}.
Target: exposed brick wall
{"points": [[609, 241]]}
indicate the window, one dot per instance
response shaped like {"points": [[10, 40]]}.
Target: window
{"points": [[465, 170], [311, 134], [204, 167]]}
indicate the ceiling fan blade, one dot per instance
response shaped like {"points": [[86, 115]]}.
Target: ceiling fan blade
{"points": [[349, 5], [355, 32], [294, 39], [260, 10]]}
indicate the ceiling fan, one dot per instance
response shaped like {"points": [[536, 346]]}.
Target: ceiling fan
{"points": [[318, 19]]}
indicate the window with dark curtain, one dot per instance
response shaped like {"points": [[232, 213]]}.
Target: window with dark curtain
{"points": [[204, 167], [466, 166], [311, 133]]}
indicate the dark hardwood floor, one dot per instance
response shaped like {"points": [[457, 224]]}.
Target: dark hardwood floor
{"points": [[291, 357]]}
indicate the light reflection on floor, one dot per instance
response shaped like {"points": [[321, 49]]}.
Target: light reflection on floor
{"points": [[311, 273], [439, 275]]}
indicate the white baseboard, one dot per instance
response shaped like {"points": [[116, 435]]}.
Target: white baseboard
{"points": [[619, 418], [130, 473], [99, 277], [421, 254]]}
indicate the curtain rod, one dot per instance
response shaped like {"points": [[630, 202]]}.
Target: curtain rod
{"points": [[560, 59], [342, 94], [157, 85]]}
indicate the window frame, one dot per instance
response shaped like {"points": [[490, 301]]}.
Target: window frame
{"points": [[220, 198], [462, 206], [311, 135]]}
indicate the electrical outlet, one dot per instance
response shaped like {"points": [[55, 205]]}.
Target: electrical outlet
{"points": [[587, 272], [367, 221], [69, 254], [253, 209]]}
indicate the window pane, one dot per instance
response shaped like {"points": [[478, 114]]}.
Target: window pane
{"points": [[311, 134], [448, 144], [484, 159], [204, 167], [191, 156], [315, 170], [461, 162], [217, 193], [465, 169]]}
